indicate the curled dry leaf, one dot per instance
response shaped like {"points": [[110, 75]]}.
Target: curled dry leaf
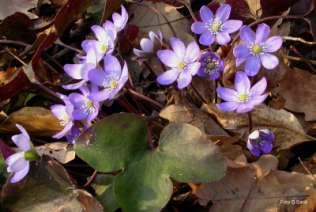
{"points": [[152, 17], [57, 150], [194, 116], [284, 124], [48, 187], [255, 187], [301, 97], [36, 120]]}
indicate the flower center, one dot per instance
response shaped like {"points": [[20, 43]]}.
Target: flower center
{"points": [[113, 84], [103, 47], [210, 66], [256, 48], [215, 26], [64, 119], [181, 65], [243, 97]]}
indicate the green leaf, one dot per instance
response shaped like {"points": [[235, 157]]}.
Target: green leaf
{"points": [[3, 171], [184, 154], [119, 142], [112, 143]]}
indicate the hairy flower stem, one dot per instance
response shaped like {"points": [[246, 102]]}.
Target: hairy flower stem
{"points": [[91, 179]]}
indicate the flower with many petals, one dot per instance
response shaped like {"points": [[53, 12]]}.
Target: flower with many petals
{"points": [[64, 114], [215, 28], [80, 70], [111, 78], [83, 107], [104, 43], [182, 61], [260, 142], [149, 45], [256, 49], [119, 21], [211, 66], [244, 98], [18, 163]]}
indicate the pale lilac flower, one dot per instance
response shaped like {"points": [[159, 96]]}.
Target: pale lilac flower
{"points": [[86, 63], [211, 66], [64, 114], [119, 21], [83, 107], [256, 49], [215, 28], [111, 79], [244, 98], [105, 41], [17, 164], [182, 61], [149, 45], [260, 142]]}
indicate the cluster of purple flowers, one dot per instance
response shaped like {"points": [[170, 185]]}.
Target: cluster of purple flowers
{"points": [[95, 83], [255, 50]]}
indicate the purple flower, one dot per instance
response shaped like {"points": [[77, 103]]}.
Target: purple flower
{"points": [[73, 134], [215, 28], [104, 43], [84, 107], [149, 46], [182, 61], [119, 21], [111, 79], [260, 142], [255, 49], [64, 114], [211, 66], [17, 164], [244, 98], [80, 71]]}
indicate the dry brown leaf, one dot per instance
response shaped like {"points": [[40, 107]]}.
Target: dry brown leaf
{"points": [[284, 124], [194, 116], [148, 20], [247, 189], [301, 97], [57, 150], [8, 7], [36, 120]]}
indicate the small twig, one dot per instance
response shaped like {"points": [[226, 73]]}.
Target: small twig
{"points": [[60, 43], [297, 39], [300, 59], [141, 96], [91, 179], [303, 58], [189, 8], [20, 43], [305, 168]]}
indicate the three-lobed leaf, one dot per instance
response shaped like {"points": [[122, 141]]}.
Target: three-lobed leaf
{"points": [[119, 143]]}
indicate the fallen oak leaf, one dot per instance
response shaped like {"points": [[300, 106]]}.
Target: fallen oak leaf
{"points": [[36, 120], [257, 187], [284, 124], [300, 98]]}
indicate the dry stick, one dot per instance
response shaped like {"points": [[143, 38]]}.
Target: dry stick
{"points": [[60, 43], [189, 8], [300, 59], [20, 43], [141, 96], [305, 168], [91, 179], [297, 39], [304, 59], [35, 82]]}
